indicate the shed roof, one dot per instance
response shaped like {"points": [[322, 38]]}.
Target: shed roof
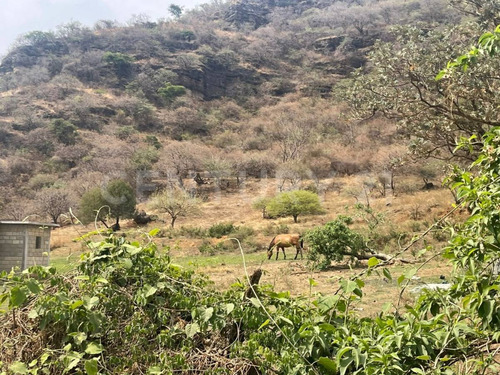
{"points": [[29, 223]]}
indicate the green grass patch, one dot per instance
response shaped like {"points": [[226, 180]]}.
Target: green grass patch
{"points": [[219, 259], [66, 263]]}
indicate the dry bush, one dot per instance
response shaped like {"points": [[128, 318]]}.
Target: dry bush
{"points": [[40, 141], [177, 159], [84, 181], [109, 155], [183, 122], [258, 164], [19, 165]]}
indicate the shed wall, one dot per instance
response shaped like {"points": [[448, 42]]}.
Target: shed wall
{"points": [[11, 246], [13, 249], [36, 256]]}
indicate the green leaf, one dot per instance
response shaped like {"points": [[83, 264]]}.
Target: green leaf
{"points": [[410, 273], [372, 262], [79, 337], [91, 367], [154, 232], [17, 297], [94, 348], [229, 308], [255, 302], [424, 357], [312, 282], [348, 286], [74, 359], [401, 279], [327, 303], [33, 314], [91, 302], [207, 314], [33, 286], [154, 370], [44, 357], [387, 274], [192, 329], [127, 263], [149, 290], [76, 304], [264, 324], [102, 280], [286, 320], [386, 306], [440, 75], [486, 309], [18, 368], [329, 365]]}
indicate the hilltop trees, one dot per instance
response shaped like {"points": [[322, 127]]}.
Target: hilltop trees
{"points": [[175, 10]]}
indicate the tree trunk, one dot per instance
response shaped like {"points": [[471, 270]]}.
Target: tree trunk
{"points": [[295, 218], [173, 221], [116, 225], [254, 281], [380, 256]]}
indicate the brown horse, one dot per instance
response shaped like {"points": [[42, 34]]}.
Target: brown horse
{"points": [[286, 240]]}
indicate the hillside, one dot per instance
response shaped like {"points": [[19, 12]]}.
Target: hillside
{"points": [[227, 88]]}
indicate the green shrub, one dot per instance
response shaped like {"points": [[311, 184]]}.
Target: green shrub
{"points": [[242, 233], [274, 229], [208, 248], [332, 242], [192, 232], [221, 229], [124, 132]]}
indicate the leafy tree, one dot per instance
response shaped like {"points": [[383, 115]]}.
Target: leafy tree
{"points": [[333, 241], [144, 158], [175, 202], [170, 92], [122, 63], [175, 10], [294, 203], [153, 141], [432, 114], [116, 199], [64, 131], [261, 204]]}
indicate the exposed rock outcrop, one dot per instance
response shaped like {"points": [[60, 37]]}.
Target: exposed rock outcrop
{"points": [[328, 43]]}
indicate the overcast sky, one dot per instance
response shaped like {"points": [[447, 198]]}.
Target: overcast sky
{"points": [[20, 16]]}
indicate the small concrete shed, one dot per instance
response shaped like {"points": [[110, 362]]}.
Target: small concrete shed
{"points": [[24, 244]]}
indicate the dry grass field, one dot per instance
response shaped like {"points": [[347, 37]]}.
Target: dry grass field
{"points": [[401, 217]]}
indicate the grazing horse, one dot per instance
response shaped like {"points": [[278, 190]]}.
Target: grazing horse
{"points": [[286, 240]]}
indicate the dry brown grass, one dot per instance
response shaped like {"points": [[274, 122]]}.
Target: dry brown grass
{"points": [[235, 206]]}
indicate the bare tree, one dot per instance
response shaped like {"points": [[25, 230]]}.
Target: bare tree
{"points": [[175, 202], [178, 158], [292, 130], [53, 202]]}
